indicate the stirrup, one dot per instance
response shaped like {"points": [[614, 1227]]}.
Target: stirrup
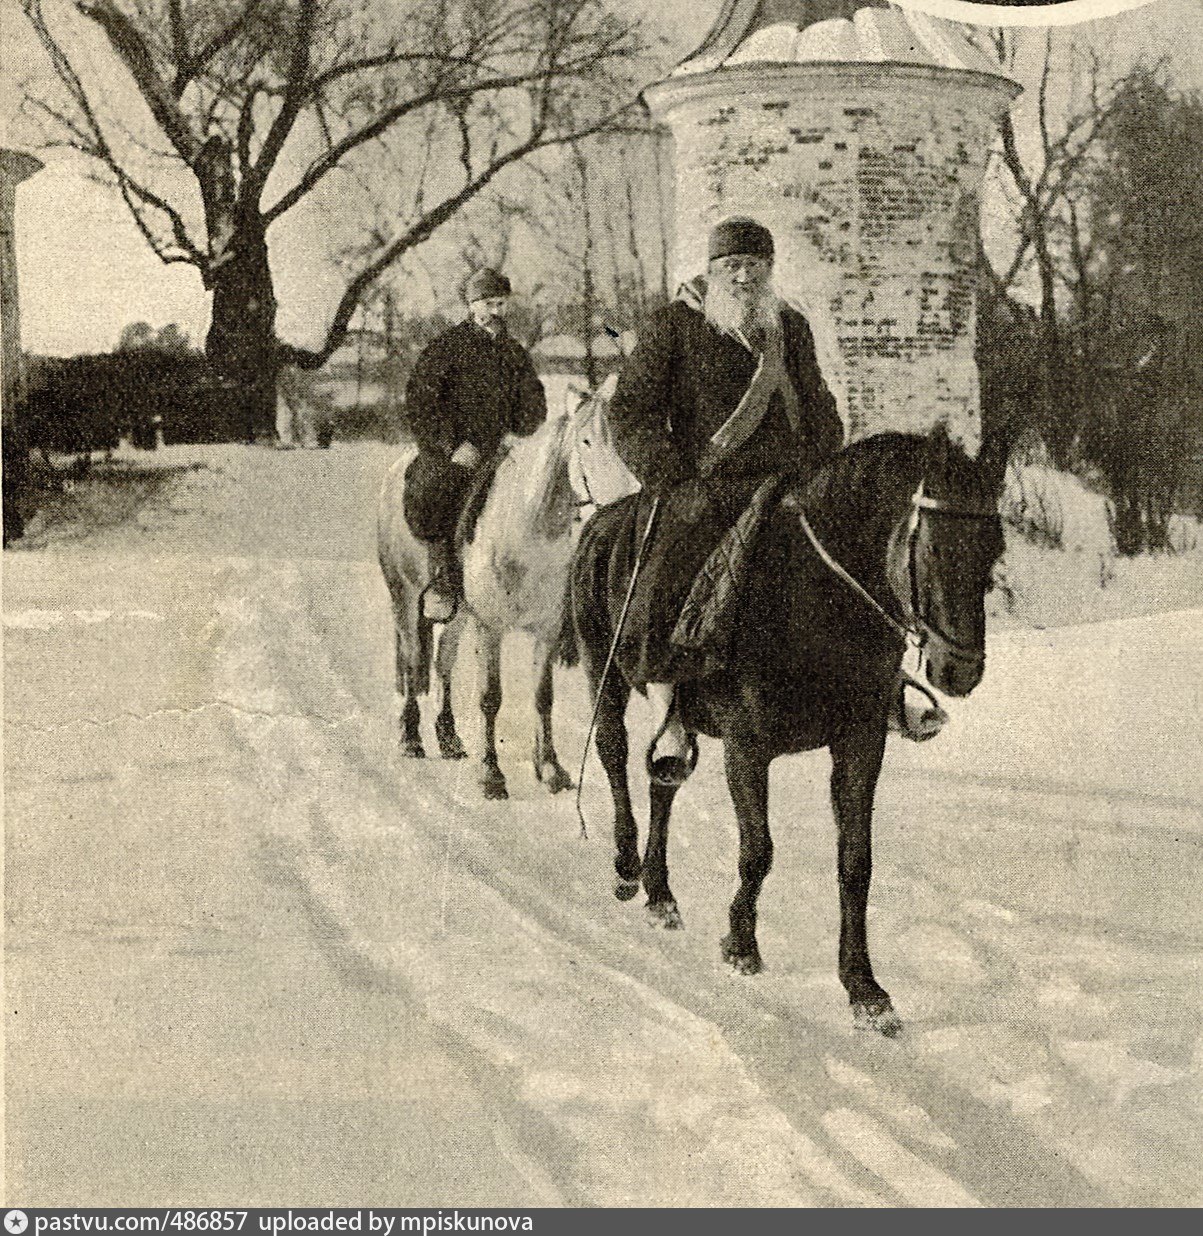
{"points": [[916, 726], [670, 771]]}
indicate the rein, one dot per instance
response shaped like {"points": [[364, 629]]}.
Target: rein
{"points": [[918, 630], [910, 634]]}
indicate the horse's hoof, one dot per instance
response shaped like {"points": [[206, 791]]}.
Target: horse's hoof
{"points": [[494, 788], [876, 1015], [553, 778], [666, 915], [450, 747], [625, 889], [412, 749], [741, 963]]}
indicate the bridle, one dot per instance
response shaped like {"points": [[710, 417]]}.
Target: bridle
{"points": [[916, 629], [922, 503]]}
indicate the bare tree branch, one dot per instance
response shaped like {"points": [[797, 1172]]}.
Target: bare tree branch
{"points": [[223, 38], [88, 138], [420, 231], [381, 124], [245, 131], [134, 52], [384, 59], [294, 96], [179, 44]]}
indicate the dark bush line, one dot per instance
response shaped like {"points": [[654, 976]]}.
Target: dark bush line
{"points": [[87, 403]]}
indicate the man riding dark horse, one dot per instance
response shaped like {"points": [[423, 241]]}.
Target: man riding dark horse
{"points": [[471, 387], [722, 394]]}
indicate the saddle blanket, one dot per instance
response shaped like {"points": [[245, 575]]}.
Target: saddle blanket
{"points": [[708, 615]]}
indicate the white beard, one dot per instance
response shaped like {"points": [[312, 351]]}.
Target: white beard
{"points": [[736, 317]]}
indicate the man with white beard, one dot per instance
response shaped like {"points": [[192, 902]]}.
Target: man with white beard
{"points": [[722, 392]]}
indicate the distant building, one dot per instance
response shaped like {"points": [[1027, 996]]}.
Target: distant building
{"points": [[15, 166], [567, 355]]}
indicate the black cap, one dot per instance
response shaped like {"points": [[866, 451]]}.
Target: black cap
{"points": [[486, 284], [740, 235]]}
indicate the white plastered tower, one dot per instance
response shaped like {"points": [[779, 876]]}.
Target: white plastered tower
{"points": [[859, 133]]}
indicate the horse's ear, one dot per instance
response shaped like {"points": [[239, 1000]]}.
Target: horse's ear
{"points": [[938, 444], [994, 457]]}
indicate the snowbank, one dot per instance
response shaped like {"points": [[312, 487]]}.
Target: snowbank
{"points": [[1084, 580]]}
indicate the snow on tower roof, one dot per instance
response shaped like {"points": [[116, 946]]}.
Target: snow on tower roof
{"points": [[842, 31]]}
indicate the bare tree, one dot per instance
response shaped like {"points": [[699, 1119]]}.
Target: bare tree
{"points": [[1046, 169], [259, 102], [604, 221]]}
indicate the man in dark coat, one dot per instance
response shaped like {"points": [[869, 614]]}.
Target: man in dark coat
{"points": [[471, 386], [722, 392]]}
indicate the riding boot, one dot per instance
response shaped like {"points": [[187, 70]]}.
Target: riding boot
{"points": [[440, 597], [674, 767]]}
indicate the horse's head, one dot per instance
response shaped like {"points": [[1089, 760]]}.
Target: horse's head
{"points": [[599, 476], [954, 538]]}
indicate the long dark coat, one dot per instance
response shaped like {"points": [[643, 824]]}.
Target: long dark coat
{"points": [[683, 380], [467, 386]]}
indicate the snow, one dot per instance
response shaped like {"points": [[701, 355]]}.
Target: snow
{"points": [[1035, 912], [1087, 581]]}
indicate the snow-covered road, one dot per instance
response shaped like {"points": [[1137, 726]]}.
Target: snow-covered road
{"points": [[228, 894]]}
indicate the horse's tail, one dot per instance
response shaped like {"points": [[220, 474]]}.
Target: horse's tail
{"points": [[421, 667], [568, 652]]}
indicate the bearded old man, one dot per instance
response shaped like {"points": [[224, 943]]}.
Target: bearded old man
{"points": [[722, 392], [470, 387]]}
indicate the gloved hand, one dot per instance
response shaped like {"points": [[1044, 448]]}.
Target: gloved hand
{"points": [[691, 498], [466, 455]]}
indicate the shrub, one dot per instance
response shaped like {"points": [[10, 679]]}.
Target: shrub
{"points": [[1032, 503], [87, 403]]}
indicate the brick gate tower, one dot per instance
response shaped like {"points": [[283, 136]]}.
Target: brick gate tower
{"points": [[859, 133]]}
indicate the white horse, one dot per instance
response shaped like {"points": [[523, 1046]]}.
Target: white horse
{"points": [[515, 567]]}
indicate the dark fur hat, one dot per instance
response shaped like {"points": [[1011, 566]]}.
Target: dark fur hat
{"points": [[740, 235], [485, 284]]}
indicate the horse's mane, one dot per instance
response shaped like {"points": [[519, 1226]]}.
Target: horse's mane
{"points": [[526, 483], [856, 479]]}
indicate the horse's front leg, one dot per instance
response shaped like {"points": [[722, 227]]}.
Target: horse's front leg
{"points": [[662, 907], [488, 653], [747, 768], [450, 746], [856, 756], [547, 764]]}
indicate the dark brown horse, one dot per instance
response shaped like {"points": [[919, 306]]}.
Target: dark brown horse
{"points": [[814, 663]]}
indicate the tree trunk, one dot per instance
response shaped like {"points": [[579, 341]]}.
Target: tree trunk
{"points": [[241, 344], [242, 334]]}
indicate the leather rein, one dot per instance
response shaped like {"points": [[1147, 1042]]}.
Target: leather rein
{"points": [[918, 630]]}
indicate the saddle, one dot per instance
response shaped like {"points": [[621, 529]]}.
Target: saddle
{"points": [[708, 615], [476, 497], [440, 598]]}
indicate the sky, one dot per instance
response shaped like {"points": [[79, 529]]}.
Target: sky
{"points": [[85, 272]]}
